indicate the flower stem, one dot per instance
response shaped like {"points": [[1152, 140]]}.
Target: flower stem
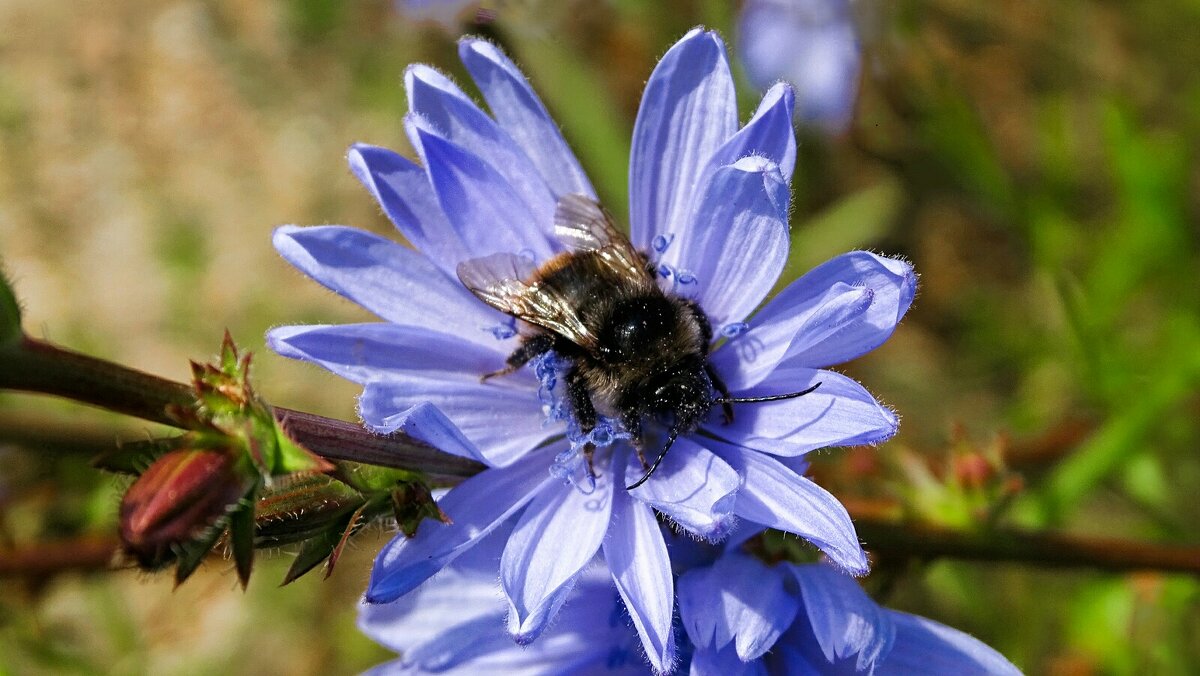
{"points": [[47, 559], [37, 366], [889, 538]]}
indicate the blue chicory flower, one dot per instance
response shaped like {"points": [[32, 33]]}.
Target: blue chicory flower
{"points": [[740, 617], [446, 13], [744, 617], [711, 202], [809, 43]]}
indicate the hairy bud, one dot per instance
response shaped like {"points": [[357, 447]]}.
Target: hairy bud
{"points": [[176, 500]]}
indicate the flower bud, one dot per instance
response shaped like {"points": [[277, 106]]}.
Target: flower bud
{"points": [[175, 500], [973, 470]]}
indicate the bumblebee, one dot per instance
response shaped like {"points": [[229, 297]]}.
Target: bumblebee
{"points": [[636, 352]]}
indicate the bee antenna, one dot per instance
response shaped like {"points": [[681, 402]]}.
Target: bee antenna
{"points": [[774, 397], [670, 440]]}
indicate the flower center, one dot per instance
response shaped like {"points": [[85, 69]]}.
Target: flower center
{"points": [[571, 464], [735, 329], [504, 330]]}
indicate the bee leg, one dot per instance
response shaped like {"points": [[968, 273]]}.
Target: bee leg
{"points": [[584, 410], [588, 450], [723, 390], [633, 425], [706, 334], [533, 346]]}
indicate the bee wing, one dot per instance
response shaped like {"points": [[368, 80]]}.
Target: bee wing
{"points": [[581, 224], [508, 283]]}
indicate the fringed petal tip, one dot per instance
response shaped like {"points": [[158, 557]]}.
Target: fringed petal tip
{"points": [[857, 566]]}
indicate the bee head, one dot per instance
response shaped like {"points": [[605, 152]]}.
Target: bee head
{"points": [[682, 398]]}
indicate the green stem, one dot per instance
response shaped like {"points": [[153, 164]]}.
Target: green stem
{"points": [[36, 366]]}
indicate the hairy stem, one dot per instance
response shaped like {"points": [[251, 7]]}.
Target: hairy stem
{"points": [[36, 366]]}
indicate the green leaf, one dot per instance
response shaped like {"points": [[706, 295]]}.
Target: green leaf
{"points": [[301, 507], [315, 550], [1167, 385], [372, 478], [193, 552], [357, 520], [241, 540], [332, 540], [292, 457]]}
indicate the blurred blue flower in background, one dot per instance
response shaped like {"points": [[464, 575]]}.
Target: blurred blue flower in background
{"points": [[446, 13], [710, 203], [811, 44]]}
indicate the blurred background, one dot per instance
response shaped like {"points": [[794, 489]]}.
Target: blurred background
{"points": [[1035, 161]]}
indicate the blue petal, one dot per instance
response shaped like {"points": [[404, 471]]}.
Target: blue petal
{"points": [[394, 282], [924, 646], [688, 110], [701, 610], [460, 644], [693, 487], [725, 662], [424, 422], [365, 352], [743, 533], [556, 537], [403, 190], [637, 555], [737, 245], [481, 205], [452, 598], [737, 600], [498, 421], [839, 310], [839, 413], [748, 358], [578, 643], [454, 624], [475, 507], [844, 620], [769, 134], [520, 112], [797, 654], [448, 113], [775, 496]]}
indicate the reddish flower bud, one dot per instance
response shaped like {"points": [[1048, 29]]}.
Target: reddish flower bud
{"points": [[973, 470], [175, 500]]}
